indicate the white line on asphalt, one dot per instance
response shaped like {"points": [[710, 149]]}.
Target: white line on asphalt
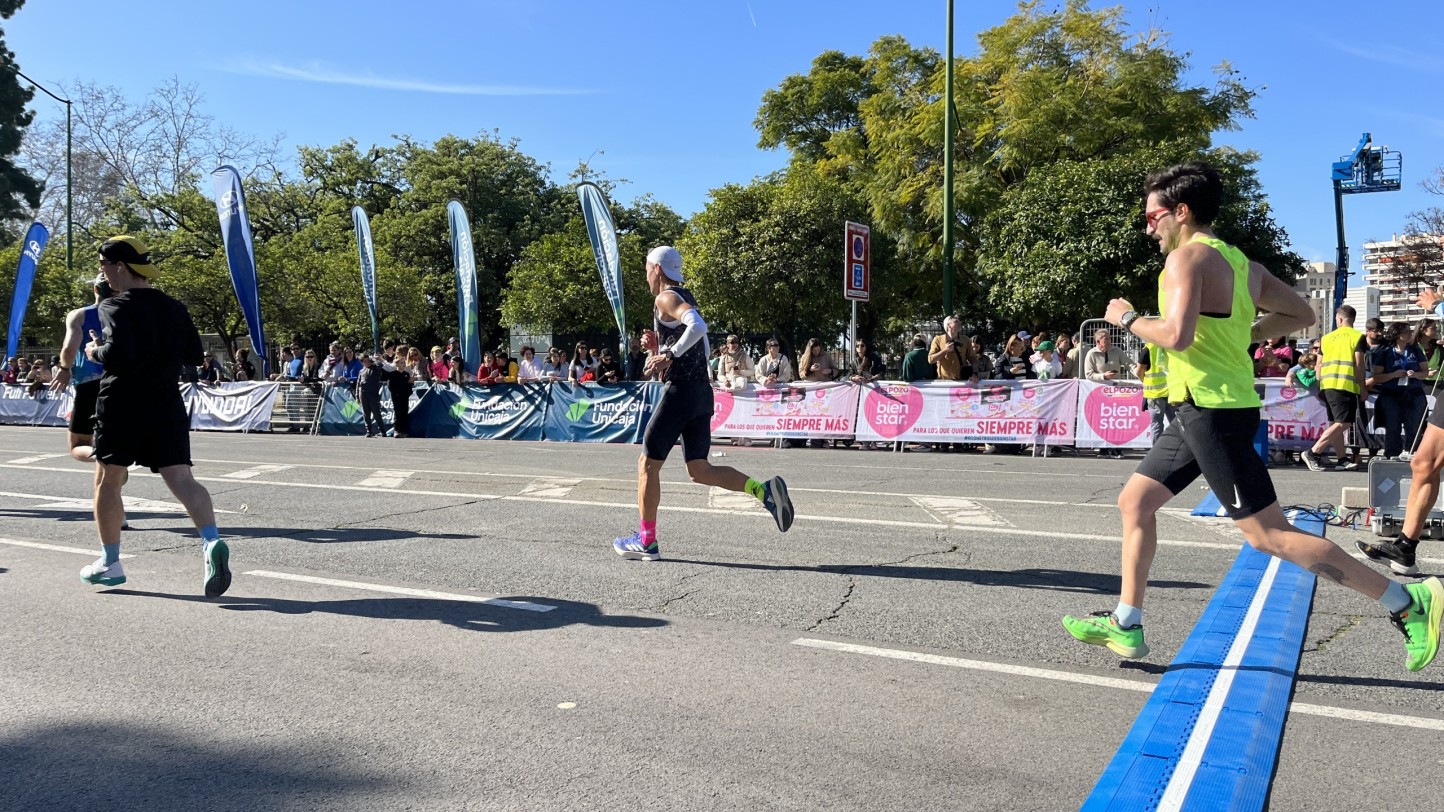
{"points": [[401, 590], [36, 458], [725, 501], [55, 547], [88, 504], [958, 511], [255, 471], [549, 488], [1181, 781], [385, 479], [1346, 714]]}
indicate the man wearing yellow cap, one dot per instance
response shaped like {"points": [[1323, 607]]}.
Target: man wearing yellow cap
{"points": [[146, 336]]}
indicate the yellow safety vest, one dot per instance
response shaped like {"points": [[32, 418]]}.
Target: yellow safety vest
{"points": [[1336, 365], [1215, 372], [1155, 380]]}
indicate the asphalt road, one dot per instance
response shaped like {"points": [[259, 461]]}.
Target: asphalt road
{"points": [[898, 649]]}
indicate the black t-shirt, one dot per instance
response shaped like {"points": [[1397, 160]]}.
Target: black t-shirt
{"points": [[1143, 358], [146, 337]]}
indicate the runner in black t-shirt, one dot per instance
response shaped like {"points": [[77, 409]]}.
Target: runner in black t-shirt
{"points": [[140, 418]]}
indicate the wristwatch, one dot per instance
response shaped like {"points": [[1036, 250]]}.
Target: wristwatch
{"points": [[1126, 322]]}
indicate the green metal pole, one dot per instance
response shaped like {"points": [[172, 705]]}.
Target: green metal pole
{"points": [[69, 199], [948, 126]]}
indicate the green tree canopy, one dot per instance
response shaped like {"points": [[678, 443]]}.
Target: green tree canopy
{"points": [[19, 192]]}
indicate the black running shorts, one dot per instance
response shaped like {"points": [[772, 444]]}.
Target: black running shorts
{"points": [[1219, 444], [82, 408], [1341, 406], [685, 412], [155, 439]]}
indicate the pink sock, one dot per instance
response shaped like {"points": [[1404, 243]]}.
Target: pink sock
{"points": [[649, 532]]}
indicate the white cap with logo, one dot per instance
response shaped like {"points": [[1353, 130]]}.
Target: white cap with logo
{"points": [[670, 260]]}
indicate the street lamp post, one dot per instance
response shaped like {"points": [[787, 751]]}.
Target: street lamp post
{"points": [[69, 222], [948, 125]]}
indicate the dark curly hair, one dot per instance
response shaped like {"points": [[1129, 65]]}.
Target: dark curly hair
{"points": [[1195, 184]]}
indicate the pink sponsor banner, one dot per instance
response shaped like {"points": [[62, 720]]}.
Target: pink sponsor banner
{"points": [[1296, 416], [1112, 416], [812, 411], [991, 412]]}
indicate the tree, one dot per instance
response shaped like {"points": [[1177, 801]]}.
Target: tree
{"points": [[1423, 263], [19, 192], [1070, 237]]}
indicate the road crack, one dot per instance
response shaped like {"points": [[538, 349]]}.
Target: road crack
{"points": [[837, 611], [1327, 640]]}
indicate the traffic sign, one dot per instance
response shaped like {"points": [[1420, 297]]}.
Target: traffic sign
{"points": [[857, 267]]}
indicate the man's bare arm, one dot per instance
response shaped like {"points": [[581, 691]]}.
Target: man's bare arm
{"points": [[1183, 288], [74, 323]]}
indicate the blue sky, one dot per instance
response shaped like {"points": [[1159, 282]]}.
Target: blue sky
{"points": [[667, 91]]}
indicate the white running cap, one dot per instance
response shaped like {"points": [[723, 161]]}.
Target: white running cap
{"points": [[669, 259]]}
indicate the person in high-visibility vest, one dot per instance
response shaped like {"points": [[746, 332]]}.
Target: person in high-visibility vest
{"points": [[1341, 379], [1152, 369], [1208, 293]]}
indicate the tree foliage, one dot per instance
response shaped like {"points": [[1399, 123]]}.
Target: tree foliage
{"points": [[19, 192]]}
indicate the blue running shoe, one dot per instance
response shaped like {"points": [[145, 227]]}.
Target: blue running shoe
{"points": [[777, 502], [218, 571], [633, 549]]}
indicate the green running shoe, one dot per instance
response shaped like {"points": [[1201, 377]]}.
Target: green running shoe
{"points": [[1420, 623], [1102, 629], [218, 570]]}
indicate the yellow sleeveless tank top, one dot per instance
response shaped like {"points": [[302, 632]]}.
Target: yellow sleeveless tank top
{"points": [[1215, 371]]}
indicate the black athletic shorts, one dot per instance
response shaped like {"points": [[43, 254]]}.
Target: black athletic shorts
{"points": [[1341, 406], [685, 411], [82, 408], [158, 437], [1219, 444], [1436, 417]]}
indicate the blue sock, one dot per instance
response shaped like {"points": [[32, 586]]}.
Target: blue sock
{"points": [[209, 533], [1128, 616], [1396, 598], [112, 553]]}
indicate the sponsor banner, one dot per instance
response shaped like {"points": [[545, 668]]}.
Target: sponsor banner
{"points": [[603, 235], [507, 411], [44, 408], [341, 413], [1296, 417], [1112, 416], [598, 413], [368, 269], [34, 246], [241, 256], [463, 260], [244, 406], [947, 411], [813, 411]]}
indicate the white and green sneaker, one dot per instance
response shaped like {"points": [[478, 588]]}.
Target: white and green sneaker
{"points": [[103, 574], [218, 570]]}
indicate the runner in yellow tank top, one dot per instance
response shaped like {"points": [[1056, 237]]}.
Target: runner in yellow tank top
{"points": [[1208, 293]]}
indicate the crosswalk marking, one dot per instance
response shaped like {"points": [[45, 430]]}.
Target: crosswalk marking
{"points": [[255, 471], [959, 511], [386, 479], [36, 458], [549, 488]]}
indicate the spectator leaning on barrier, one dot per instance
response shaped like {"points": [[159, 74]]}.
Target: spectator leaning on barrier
{"points": [[509, 368], [609, 370], [1046, 365], [488, 372], [867, 365], [953, 354], [440, 365], [583, 369], [816, 365], [458, 373], [11, 374], [529, 370], [734, 368], [555, 367], [774, 368], [915, 366], [1013, 362], [1104, 362], [283, 369], [1068, 355], [38, 376], [635, 363], [243, 370]]}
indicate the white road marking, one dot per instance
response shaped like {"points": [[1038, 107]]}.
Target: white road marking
{"points": [[255, 471], [549, 488], [56, 547], [725, 501], [957, 511], [385, 479], [82, 504], [1346, 714], [401, 590], [36, 458], [1181, 780]]}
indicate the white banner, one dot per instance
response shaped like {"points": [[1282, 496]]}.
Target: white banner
{"points": [[991, 412], [1296, 417], [44, 408], [813, 411], [1112, 416], [244, 406]]}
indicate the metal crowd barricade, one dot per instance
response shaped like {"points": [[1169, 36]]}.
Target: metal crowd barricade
{"points": [[297, 407]]}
